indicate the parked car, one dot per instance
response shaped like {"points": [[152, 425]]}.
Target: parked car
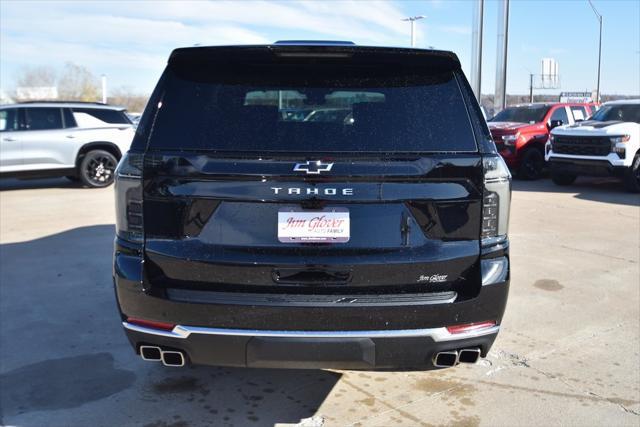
{"points": [[134, 117], [294, 114], [260, 242], [82, 141], [606, 145], [521, 131], [328, 115]]}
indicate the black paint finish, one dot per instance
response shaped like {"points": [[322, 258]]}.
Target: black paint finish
{"points": [[211, 255]]}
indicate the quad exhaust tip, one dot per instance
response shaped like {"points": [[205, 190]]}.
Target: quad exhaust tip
{"points": [[445, 359], [150, 353], [173, 358], [469, 355], [449, 358], [154, 353]]}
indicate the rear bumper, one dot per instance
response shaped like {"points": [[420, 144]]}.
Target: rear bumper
{"points": [[383, 349], [255, 333]]}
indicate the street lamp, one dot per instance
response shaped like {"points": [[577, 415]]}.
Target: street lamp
{"points": [[599, 17], [413, 19], [104, 88]]}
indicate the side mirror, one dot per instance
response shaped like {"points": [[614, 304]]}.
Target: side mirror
{"points": [[555, 123]]}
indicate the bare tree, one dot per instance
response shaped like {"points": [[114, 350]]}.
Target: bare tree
{"points": [[127, 97], [32, 78], [36, 77], [77, 83]]}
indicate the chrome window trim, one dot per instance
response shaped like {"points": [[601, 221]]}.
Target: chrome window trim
{"points": [[437, 334]]}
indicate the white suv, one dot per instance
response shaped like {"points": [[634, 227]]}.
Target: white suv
{"points": [[82, 141], [606, 144]]}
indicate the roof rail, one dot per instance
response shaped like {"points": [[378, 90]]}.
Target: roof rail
{"points": [[315, 43], [61, 102]]}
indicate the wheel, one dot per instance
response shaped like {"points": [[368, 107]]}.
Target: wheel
{"points": [[531, 165], [632, 175], [560, 178], [97, 168]]}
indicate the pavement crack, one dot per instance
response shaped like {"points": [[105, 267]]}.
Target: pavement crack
{"points": [[586, 251], [513, 359], [620, 405], [632, 261], [516, 360], [390, 407]]}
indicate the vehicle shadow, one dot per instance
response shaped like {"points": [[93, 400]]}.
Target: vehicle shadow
{"points": [[605, 190], [8, 184], [58, 316]]}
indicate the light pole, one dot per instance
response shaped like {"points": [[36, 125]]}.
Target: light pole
{"points": [[599, 17], [413, 19], [500, 100], [104, 89], [476, 47]]}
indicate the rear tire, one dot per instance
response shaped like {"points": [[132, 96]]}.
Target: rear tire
{"points": [[563, 179], [531, 165], [632, 176], [97, 169]]}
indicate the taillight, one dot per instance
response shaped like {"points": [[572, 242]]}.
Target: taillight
{"points": [[496, 200], [128, 189]]}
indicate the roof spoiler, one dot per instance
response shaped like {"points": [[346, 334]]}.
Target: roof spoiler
{"points": [[433, 59], [314, 43]]}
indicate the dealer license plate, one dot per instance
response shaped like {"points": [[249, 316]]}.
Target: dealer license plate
{"points": [[328, 225]]}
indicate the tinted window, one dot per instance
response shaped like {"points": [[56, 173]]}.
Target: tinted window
{"points": [[302, 108], [623, 113], [43, 118], [9, 119], [560, 113], [525, 114], [88, 117], [69, 120]]}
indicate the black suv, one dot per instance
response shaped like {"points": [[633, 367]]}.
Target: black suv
{"points": [[373, 239]]}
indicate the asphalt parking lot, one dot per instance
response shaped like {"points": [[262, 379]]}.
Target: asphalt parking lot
{"points": [[568, 352]]}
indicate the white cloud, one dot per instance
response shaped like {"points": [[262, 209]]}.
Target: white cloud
{"points": [[124, 36], [365, 20]]}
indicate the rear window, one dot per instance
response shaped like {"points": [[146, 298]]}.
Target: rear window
{"points": [[92, 117], [529, 114], [302, 108]]}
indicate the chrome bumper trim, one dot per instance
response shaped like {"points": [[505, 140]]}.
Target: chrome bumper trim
{"points": [[437, 334]]}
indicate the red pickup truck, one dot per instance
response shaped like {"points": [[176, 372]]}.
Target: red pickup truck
{"points": [[520, 132]]}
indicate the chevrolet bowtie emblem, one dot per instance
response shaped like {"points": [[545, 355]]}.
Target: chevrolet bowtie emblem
{"points": [[313, 167]]}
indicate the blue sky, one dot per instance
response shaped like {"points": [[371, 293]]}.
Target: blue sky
{"points": [[130, 41]]}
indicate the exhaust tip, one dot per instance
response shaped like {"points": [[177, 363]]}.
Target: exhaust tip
{"points": [[469, 355], [150, 353], [445, 359], [173, 358]]}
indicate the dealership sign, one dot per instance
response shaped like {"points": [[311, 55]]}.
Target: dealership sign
{"points": [[578, 97]]}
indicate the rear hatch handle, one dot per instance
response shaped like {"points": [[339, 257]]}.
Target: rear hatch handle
{"points": [[310, 277]]}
